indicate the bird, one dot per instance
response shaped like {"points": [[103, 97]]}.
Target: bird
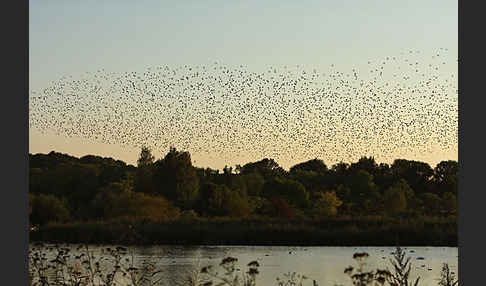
{"points": [[403, 105]]}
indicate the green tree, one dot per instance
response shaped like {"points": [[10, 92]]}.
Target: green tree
{"points": [[312, 181], [213, 199], [47, 208], [254, 183], [118, 200], [432, 203], [268, 168], [237, 205], [291, 191], [449, 203], [143, 181], [418, 175], [326, 204], [77, 182], [219, 200], [146, 158], [339, 174], [315, 165], [395, 198], [176, 178], [367, 164], [362, 188], [446, 176]]}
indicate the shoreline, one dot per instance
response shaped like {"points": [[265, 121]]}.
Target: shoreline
{"points": [[192, 233]]}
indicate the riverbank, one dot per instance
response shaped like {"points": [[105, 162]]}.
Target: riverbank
{"points": [[328, 232]]}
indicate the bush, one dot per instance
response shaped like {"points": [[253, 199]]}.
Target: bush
{"points": [[118, 200]]}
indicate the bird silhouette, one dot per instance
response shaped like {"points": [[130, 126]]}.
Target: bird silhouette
{"points": [[230, 113]]}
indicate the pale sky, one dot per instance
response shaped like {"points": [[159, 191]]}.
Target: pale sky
{"points": [[70, 38]]}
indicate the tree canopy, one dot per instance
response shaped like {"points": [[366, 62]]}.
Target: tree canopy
{"points": [[63, 188]]}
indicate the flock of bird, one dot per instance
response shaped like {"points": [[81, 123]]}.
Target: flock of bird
{"points": [[397, 105]]}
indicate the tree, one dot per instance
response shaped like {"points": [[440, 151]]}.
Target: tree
{"points": [[417, 174], [254, 183], [344, 193], [432, 203], [280, 208], [315, 165], [118, 200], [237, 205], [146, 158], [212, 198], [367, 164], [219, 200], [47, 208], [311, 180], [291, 191], [144, 182], [362, 188], [449, 202], [383, 176], [266, 167], [326, 204], [446, 176], [238, 184], [176, 178], [76, 182], [338, 173], [395, 198]]}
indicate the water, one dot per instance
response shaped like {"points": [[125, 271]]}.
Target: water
{"points": [[324, 264]]}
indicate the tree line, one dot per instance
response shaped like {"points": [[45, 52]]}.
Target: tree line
{"points": [[63, 188]]}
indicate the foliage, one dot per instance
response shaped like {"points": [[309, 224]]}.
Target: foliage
{"points": [[326, 204], [176, 178], [449, 202], [118, 200], [360, 276], [432, 203], [219, 200], [103, 189], [265, 167], [145, 171], [46, 208], [146, 158], [364, 163], [418, 175], [280, 208], [287, 189], [447, 277], [446, 176], [396, 197], [114, 266], [315, 165], [362, 188], [254, 184]]}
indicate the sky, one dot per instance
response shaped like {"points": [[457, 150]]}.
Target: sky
{"points": [[71, 38]]}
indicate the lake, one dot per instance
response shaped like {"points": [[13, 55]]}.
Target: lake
{"points": [[324, 264]]}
